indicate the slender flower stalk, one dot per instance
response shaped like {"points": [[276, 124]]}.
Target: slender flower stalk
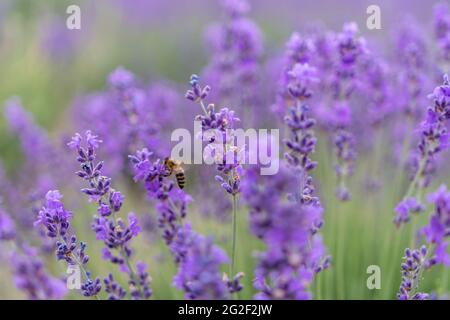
{"points": [[56, 219], [350, 48], [217, 132], [113, 231]]}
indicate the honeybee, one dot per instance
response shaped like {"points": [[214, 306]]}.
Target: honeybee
{"points": [[174, 166]]}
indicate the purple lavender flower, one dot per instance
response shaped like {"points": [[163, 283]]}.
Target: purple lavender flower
{"points": [[434, 138], [412, 79], [435, 234], [40, 171], [262, 195], [404, 208], [350, 47], [34, 140], [87, 110], [116, 234], [221, 145], [171, 201], [216, 132], [323, 42], [287, 267], [344, 143], [91, 287], [236, 48], [442, 29], [284, 211], [438, 228], [299, 50], [132, 101], [301, 142], [58, 42], [378, 89], [234, 284], [198, 263], [197, 93], [7, 226], [113, 231], [31, 277], [161, 96], [121, 78], [130, 117], [289, 228], [56, 220], [114, 290], [127, 96], [54, 216], [413, 264], [143, 282], [215, 205], [199, 273]]}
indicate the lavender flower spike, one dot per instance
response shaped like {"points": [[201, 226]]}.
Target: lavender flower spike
{"points": [[434, 138], [413, 264], [221, 143], [199, 274], [31, 277], [349, 49], [235, 50], [115, 233], [301, 143], [56, 219]]}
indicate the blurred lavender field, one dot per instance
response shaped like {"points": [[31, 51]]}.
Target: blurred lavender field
{"points": [[86, 123]]}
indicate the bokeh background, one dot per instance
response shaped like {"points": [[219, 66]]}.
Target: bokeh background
{"points": [[50, 68]]}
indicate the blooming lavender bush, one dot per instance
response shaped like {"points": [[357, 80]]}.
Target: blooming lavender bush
{"points": [[361, 152]]}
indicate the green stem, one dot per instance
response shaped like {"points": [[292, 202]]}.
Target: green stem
{"points": [[413, 186], [233, 237]]}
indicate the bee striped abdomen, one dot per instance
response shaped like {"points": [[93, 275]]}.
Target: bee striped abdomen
{"points": [[181, 179]]}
